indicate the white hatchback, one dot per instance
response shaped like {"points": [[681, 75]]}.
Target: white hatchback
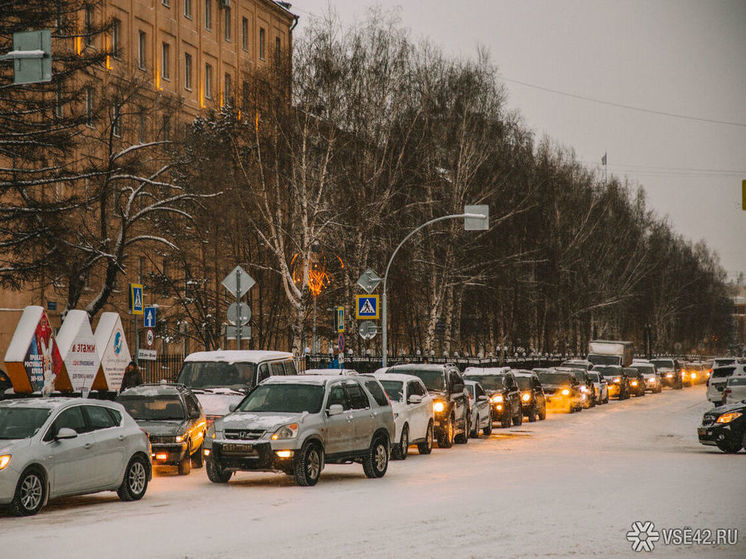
{"points": [[413, 413], [54, 447]]}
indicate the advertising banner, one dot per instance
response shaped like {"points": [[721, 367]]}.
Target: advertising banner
{"points": [[78, 350], [112, 349]]}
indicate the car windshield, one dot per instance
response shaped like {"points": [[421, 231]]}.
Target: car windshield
{"points": [[594, 377], [489, 382], [217, 374], [394, 388], [604, 359], [153, 408], [21, 423], [663, 363], [737, 381], [524, 383], [284, 398], [721, 362], [722, 372], [433, 379], [555, 378], [632, 373], [607, 371], [645, 369]]}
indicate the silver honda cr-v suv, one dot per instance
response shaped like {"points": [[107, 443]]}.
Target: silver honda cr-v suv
{"points": [[297, 424]]}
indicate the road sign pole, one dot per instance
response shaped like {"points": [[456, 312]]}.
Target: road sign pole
{"points": [[137, 344], [238, 303], [384, 320]]}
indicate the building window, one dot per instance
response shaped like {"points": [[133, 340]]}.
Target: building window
{"points": [[166, 128], [261, 43], [116, 120], [164, 61], [245, 34], [188, 71], [58, 106], [89, 107], [188, 9], [208, 81], [89, 25], [228, 89], [115, 26], [166, 3], [142, 129], [278, 50], [141, 50], [227, 23], [208, 14]]}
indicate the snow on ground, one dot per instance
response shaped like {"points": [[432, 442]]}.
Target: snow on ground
{"points": [[570, 486]]}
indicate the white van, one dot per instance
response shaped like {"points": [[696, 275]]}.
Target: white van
{"points": [[221, 378]]}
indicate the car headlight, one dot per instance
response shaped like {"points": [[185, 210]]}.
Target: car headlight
{"points": [[617, 380], [634, 383], [179, 438], [725, 418], [565, 392], [669, 375], [4, 461], [497, 399], [286, 432], [584, 389], [694, 375], [526, 397]]}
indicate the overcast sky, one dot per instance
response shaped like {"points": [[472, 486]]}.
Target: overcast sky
{"points": [[682, 57]]}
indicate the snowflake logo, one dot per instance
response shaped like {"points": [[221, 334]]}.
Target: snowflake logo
{"points": [[643, 536]]}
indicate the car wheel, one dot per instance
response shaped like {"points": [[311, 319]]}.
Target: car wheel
{"points": [[185, 465], [399, 452], [729, 447], [216, 473], [488, 429], [307, 465], [426, 447], [463, 438], [572, 408], [198, 459], [135, 481], [518, 419], [446, 438], [474, 433], [31, 491], [505, 422], [376, 460], [533, 414], [606, 400], [543, 412]]}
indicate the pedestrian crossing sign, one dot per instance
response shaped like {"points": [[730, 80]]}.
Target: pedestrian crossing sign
{"points": [[366, 307], [136, 306]]}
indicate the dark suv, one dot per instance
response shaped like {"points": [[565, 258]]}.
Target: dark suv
{"points": [[502, 388], [616, 379], [533, 401], [670, 372], [451, 400], [561, 388], [636, 381], [587, 388], [173, 419]]}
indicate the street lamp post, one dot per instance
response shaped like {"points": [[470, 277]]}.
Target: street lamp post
{"points": [[476, 218]]}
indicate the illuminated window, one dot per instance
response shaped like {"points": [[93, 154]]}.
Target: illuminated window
{"points": [[261, 43], [188, 71], [141, 50], [208, 81], [245, 34]]}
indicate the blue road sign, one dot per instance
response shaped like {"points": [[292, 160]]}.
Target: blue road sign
{"points": [[136, 305], [148, 318], [366, 307], [340, 319]]}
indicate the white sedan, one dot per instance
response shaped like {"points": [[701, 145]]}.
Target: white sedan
{"points": [[481, 411], [54, 447], [413, 413]]}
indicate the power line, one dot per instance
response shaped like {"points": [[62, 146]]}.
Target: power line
{"points": [[621, 105]]}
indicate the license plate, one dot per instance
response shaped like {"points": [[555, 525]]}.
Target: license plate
{"points": [[232, 447]]}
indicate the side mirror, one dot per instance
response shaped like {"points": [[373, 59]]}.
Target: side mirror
{"points": [[66, 433], [458, 387], [483, 398], [232, 407], [414, 399], [335, 409]]}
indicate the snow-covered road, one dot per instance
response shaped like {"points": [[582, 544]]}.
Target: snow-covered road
{"points": [[570, 486]]}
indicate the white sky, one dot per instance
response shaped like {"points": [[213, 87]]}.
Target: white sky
{"points": [[679, 56]]}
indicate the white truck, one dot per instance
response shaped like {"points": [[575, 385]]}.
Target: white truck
{"points": [[610, 352]]}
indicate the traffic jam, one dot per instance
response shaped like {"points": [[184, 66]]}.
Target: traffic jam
{"points": [[253, 411]]}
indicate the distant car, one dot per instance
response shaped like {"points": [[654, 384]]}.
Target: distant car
{"points": [[298, 424], [586, 385], [221, 378], [174, 421], [723, 362], [652, 378], [617, 381], [724, 427], [502, 388], [602, 387], [330, 372], [55, 447], [717, 381], [577, 364], [413, 413], [533, 401], [561, 389], [481, 412], [450, 400], [735, 389], [636, 381], [669, 371], [694, 373]]}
